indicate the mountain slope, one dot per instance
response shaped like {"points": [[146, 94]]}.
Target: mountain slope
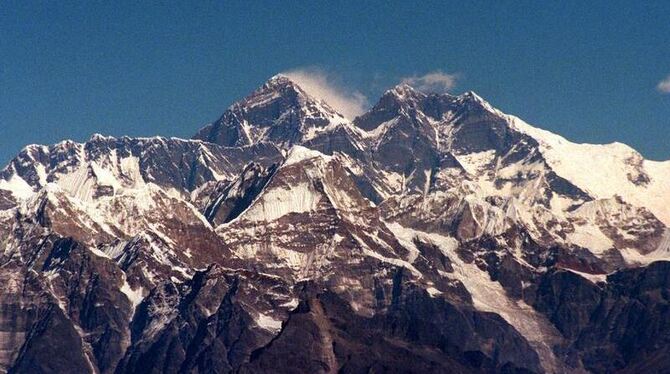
{"points": [[432, 233], [280, 112]]}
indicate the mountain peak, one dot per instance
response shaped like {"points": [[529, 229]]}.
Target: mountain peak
{"points": [[279, 81], [279, 77], [297, 218], [97, 137], [280, 112], [277, 86], [283, 86], [472, 95], [404, 91]]}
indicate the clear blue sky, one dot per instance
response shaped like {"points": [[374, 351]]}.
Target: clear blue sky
{"points": [[588, 70]]}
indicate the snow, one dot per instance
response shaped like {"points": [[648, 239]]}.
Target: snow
{"points": [[41, 173], [115, 249], [301, 196], [604, 170], [80, 174], [663, 249], [335, 123], [291, 304], [262, 99], [78, 184], [488, 295], [591, 237], [405, 238], [594, 278], [633, 257], [343, 201], [104, 176], [81, 181], [393, 261], [278, 202], [17, 186], [427, 175], [98, 252], [134, 296], [433, 292], [475, 162], [299, 153], [337, 238], [248, 132], [268, 323], [380, 130], [130, 167]]}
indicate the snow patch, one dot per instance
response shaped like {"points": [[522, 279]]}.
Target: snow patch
{"points": [[279, 202], [18, 187], [594, 278], [488, 295], [134, 296], [268, 323], [433, 292], [474, 163], [291, 304], [98, 252], [299, 153]]}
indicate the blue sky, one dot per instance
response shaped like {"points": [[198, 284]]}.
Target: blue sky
{"points": [[591, 71]]}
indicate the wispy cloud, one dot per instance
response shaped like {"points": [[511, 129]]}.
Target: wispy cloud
{"points": [[435, 81], [664, 85], [319, 84]]}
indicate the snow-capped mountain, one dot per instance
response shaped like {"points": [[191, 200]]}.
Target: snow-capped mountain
{"points": [[433, 233], [280, 112]]}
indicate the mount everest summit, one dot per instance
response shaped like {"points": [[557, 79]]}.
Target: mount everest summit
{"points": [[433, 233]]}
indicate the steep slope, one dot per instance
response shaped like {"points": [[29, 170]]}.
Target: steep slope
{"points": [[620, 325], [463, 168], [311, 224], [282, 113], [433, 233], [104, 166], [314, 192], [606, 170]]}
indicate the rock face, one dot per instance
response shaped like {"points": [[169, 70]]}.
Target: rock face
{"points": [[614, 325], [432, 234]]}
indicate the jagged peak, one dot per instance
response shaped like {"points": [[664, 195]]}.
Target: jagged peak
{"points": [[276, 87], [280, 103], [404, 91], [279, 81], [279, 77], [66, 143], [30, 149], [472, 95], [284, 82], [99, 137], [283, 86], [395, 99]]}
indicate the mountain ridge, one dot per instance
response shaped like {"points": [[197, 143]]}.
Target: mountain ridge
{"points": [[448, 231]]}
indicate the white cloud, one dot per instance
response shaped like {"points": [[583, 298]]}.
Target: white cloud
{"points": [[435, 81], [321, 85], [664, 85]]}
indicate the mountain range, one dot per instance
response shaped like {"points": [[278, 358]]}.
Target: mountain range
{"points": [[433, 233]]}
